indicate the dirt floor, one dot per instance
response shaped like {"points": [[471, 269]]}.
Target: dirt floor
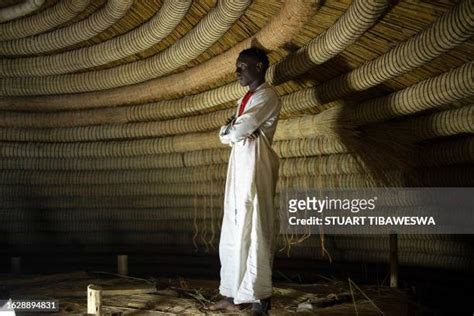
{"points": [[151, 296]]}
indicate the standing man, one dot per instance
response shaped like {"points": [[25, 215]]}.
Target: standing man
{"points": [[247, 243]]}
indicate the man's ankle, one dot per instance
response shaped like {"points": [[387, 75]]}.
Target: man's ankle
{"points": [[262, 307]]}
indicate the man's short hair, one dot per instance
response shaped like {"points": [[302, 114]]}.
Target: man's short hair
{"points": [[257, 53]]}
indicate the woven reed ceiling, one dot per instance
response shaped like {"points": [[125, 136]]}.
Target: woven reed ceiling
{"points": [[111, 109]]}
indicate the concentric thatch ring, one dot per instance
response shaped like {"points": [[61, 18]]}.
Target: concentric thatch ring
{"points": [[195, 42], [104, 202], [446, 176], [107, 214], [124, 201], [18, 10], [433, 92], [170, 160], [70, 35], [337, 164], [440, 124], [43, 21]]}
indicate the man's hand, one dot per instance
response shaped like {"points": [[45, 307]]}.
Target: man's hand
{"points": [[254, 135], [230, 119]]}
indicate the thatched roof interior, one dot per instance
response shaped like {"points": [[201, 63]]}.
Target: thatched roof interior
{"points": [[107, 166]]}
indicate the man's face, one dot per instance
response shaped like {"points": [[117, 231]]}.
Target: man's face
{"points": [[247, 70]]}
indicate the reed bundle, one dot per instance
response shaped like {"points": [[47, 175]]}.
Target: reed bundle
{"points": [[62, 12], [448, 176], [18, 10], [69, 35], [453, 152]]}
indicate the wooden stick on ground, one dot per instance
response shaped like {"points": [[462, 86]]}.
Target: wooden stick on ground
{"points": [[122, 264], [393, 260], [94, 299]]}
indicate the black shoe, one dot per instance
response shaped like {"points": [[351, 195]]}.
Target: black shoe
{"points": [[227, 303], [261, 308]]}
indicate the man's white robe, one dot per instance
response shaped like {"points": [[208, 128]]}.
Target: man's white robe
{"points": [[247, 244]]}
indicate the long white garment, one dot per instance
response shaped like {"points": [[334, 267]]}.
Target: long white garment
{"points": [[247, 244]]}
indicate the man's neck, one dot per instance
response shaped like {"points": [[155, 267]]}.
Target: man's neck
{"points": [[254, 85]]}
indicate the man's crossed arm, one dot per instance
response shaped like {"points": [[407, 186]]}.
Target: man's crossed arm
{"points": [[247, 125]]}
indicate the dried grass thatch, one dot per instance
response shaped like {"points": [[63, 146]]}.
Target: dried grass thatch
{"points": [[18, 10], [67, 36], [44, 21]]}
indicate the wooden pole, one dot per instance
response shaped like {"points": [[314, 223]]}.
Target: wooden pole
{"points": [[393, 260], [16, 265], [94, 299], [122, 264]]}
